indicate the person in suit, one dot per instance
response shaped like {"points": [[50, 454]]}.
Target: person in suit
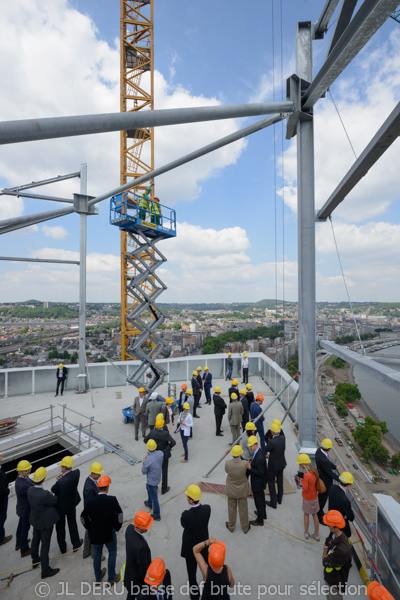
{"points": [[219, 410], [61, 375], [268, 436], [249, 395], [196, 387], [138, 554], [182, 397], [102, 517], [243, 401], [90, 491], [195, 529], [157, 582], [235, 415], [43, 516], [233, 389], [165, 443], [68, 498], [327, 472], [256, 410], [229, 367], [153, 408], [199, 379], [22, 485], [236, 490], [257, 469], [207, 383], [4, 493], [139, 412], [338, 499], [276, 464]]}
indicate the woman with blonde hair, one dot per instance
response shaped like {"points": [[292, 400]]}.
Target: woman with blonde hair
{"points": [[310, 495]]}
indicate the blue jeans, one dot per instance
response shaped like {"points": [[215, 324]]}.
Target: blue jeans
{"points": [[3, 517], [21, 538], [152, 491], [112, 558], [184, 439], [229, 373]]}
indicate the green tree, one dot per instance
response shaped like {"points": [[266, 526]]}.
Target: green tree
{"points": [[381, 454], [177, 326], [338, 363], [74, 358], [293, 365], [395, 461], [341, 407], [348, 391]]}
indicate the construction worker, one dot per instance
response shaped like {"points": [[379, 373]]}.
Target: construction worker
{"points": [[158, 580], [376, 591], [200, 380], [276, 465], [68, 498], [102, 517], [197, 389], [235, 415], [182, 397], [219, 410], [152, 468], [207, 383], [229, 366], [184, 426], [165, 443], [138, 555], [249, 394], [233, 389], [243, 401], [217, 576], [156, 211], [336, 557], [257, 468], [143, 206], [153, 407], [195, 529], [43, 517], [90, 491], [61, 374], [139, 412], [338, 499], [22, 485], [256, 410], [4, 493], [245, 367], [327, 472], [251, 430], [236, 490]]}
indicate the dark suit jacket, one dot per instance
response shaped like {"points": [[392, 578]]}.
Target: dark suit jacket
{"points": [[276, 449], [4, 491], [66, 490], [138, 558], [196, 387], [163, 440], [339, 501], [245, 417], [182, 400], [195, 528], [255, 410], [219, 405], [326, 468], [90, 490], [43, 508], [64, 372], [22, 485], [101, 516], [233, 390], [207, 380], [200, 381], [258, 472], [250, 398]]}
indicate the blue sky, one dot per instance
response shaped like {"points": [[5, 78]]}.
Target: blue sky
{"points": [[60, 57]]}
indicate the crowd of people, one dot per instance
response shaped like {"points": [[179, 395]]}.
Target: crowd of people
{"points": [[257, 461]]}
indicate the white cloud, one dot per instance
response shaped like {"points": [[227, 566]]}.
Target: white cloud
{"points": [[57, 232]]}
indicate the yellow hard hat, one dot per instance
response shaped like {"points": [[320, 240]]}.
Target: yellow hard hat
{"points": [[277, 421], [206, 368], [96, 468], [189, 392], [194, 373], [235, 382], [242, 391], [303, 459], [168, 401], [39, 475], [67, 461], [244, 353], [346, 477], [234, 396], [199, 368], [248, 386], [194, 492], [159, 416], [275, 428], [186, 406], [326, 444], [24, 465], [229, 353], [250, 426], [237, 451], [159, 423], [217, 390], [252, 440], [151, 445], [141, 389], [60, 366]]}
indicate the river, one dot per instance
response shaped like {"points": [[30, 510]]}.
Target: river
{"points": [[382, 399]]}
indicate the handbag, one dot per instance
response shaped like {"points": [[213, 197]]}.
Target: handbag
{"points": [[321, 487]]}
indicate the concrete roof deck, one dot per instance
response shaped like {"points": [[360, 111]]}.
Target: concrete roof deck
{"points": [[275, 557]]}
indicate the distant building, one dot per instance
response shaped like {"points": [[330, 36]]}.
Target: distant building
{"points": [[194, 327], [47, 304]]}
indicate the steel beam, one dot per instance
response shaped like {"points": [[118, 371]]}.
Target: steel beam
{"points": [[36, 196], [369, 18], [82, 286], [381, 141], [28, 186], [12, 132], [326, 15], [344, 18], [19, 222], [41, 260], [376, 370]]}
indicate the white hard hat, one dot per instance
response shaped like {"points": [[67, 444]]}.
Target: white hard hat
{"points": [[154, 396]]}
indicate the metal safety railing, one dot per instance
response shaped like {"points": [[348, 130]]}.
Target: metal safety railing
{"points": [[126, 209]]}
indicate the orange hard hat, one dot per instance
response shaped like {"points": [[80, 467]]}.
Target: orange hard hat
{"points": [[216, 556], [377, 591], [104, 481], [155, 572], [334, 518], [184, 386], [143, 520], [260, 397]]}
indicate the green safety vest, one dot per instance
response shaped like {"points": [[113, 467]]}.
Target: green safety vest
{"points": [[156, 208], [143, 202]]}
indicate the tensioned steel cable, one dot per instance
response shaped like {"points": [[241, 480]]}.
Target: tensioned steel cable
{"points": [[343, 125], [274, 135], [283, 182]]}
